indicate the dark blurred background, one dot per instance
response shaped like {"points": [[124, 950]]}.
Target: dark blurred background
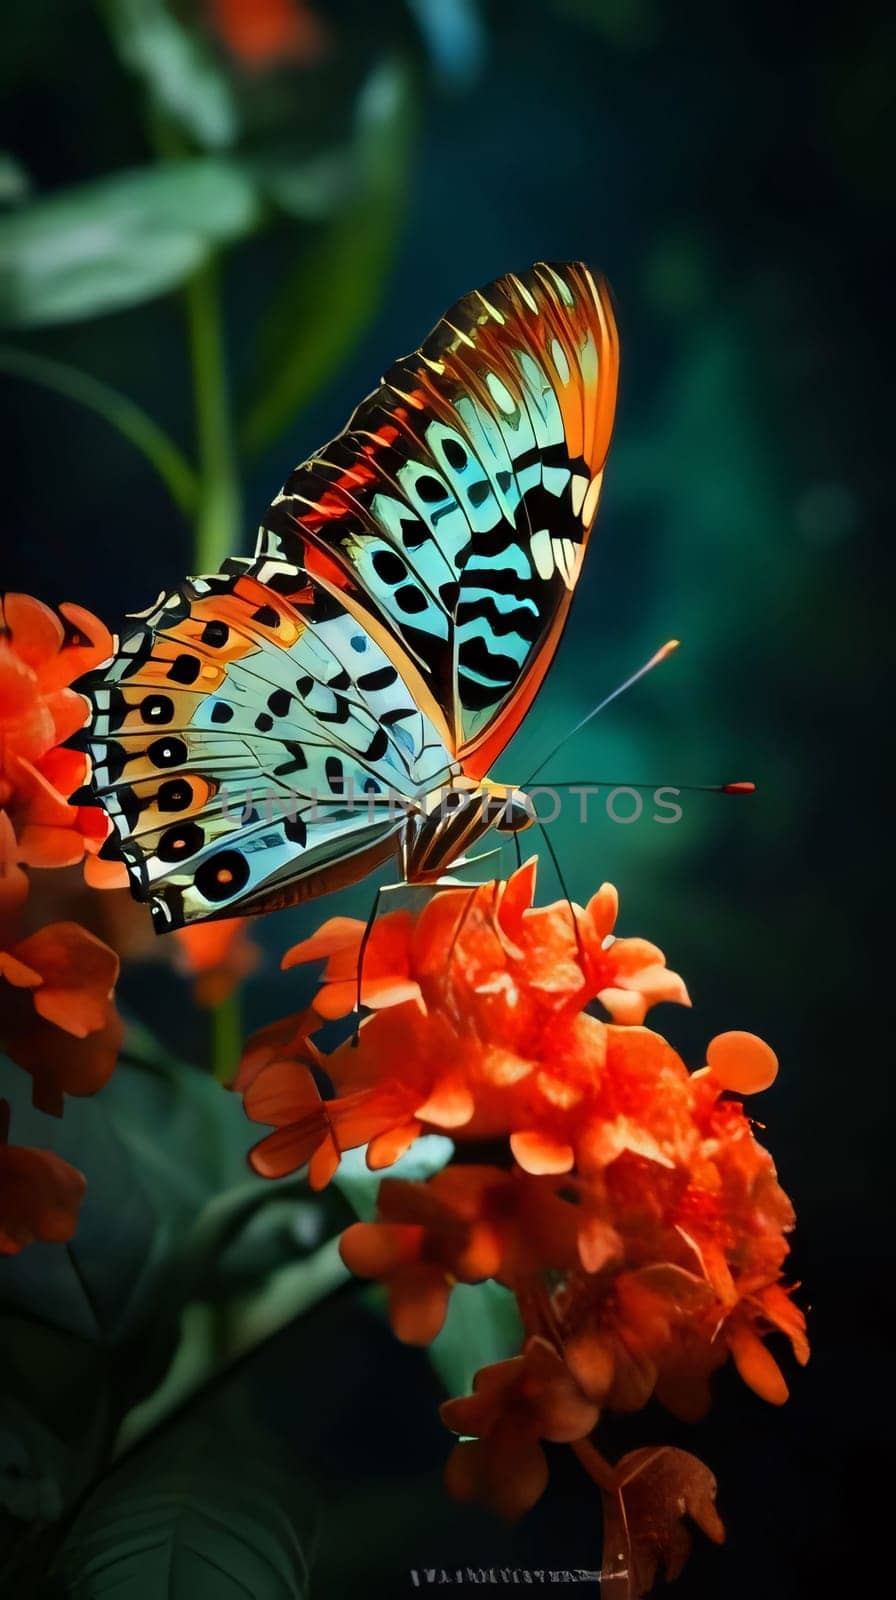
{"points": [[728, 168]]}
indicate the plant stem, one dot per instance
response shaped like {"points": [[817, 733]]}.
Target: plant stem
{"points": [[117, 409], [226, 1037], [217, 523], [289, 1293], [596, 1465], [219, 501]]}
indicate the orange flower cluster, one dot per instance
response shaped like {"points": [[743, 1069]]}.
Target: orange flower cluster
{"points": [[479, 1029], [217, 956], [636, 1219], [57, 1017], [41, 654]]}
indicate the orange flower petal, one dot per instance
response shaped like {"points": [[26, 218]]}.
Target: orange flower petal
{"points": [[450, 1105], [781, 1312], [516, 899], [69, 713], [387, 1147], [13, 881], [503, 1068], [377, 1249], [357, 1119], [283, 1092], [756, 1365], [51, 847], [418, 1301], [17, 973], [100, 874], [94, 646], [37, 633], [339, 933], [323, 1163], [590, 1360], [78, 974], [603, 909], [598, 1243], [538, 1152], [287, 1149], [741, 1062], [339, 998], [59, 1062], [626, 1006], [508, 1473], [42, 1196]]}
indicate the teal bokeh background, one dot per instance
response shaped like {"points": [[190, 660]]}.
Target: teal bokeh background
{"points": [[726, 168]]}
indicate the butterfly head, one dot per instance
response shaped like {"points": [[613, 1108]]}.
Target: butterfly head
{"points": [[510, 808]]}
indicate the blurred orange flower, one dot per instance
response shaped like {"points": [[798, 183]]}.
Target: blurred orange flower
{"points": [[57, 1016], [261, 33], [479, 1025], [41, 654], [514, 1406], [40, 1194], [217, 956]]}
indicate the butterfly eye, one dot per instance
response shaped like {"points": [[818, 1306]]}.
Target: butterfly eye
{"points": [[514, 816]]}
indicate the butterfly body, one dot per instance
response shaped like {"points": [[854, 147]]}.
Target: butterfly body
{"points": [[280, 728]]}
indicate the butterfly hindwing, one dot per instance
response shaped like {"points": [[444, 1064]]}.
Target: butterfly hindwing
{"points": [[242, 740], [452, 515]]}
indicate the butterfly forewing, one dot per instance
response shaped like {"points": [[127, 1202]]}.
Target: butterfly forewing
{"points": [[453, 513]]}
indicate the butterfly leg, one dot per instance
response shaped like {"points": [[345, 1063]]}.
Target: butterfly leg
{"points": [[384, 889], [365, 940], [432, 887], [572, 910]]}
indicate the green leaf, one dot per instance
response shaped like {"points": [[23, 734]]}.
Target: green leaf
{"points": [[308, 187], [118, 409], [117, 241], [184, 82], [482, 1326], [212, 1507], [324, 305], [88, 1327]]}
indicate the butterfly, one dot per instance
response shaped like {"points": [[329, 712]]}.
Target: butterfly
{"points": [[281, 728]]}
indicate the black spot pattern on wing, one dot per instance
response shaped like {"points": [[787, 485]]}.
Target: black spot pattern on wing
{"points": [[227, 786]]}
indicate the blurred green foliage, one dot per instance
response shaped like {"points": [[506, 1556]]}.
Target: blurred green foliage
{"points": [[302, 222]]}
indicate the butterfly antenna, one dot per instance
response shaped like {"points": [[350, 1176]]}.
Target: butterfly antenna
{"points": [[741, 787], [655, 659]]}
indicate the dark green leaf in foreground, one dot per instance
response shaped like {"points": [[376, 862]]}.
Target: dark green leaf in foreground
{"points": [[213, 1507], [88, 1328], [119, 240]]}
